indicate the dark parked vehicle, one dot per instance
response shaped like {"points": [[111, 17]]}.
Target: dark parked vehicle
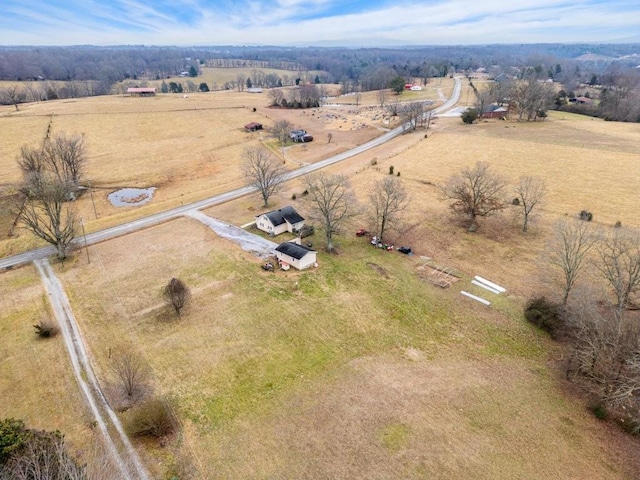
{"points": [[405, 250]]}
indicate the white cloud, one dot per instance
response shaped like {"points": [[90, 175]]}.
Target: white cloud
{"points": [[443, 22]]}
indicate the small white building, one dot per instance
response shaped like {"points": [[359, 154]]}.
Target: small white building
{"points": [[298, 256], [279, 221]]}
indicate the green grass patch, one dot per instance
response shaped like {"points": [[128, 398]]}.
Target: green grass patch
{"points": [[395, 436]]}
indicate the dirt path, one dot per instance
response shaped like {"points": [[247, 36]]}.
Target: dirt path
{"points": [[124, 456]]}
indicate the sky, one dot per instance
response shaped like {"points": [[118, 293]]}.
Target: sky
{"points": [[316, 22]]}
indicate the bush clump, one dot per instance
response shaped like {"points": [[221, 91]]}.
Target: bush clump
{"points": [[152, 419], [586, 215], [46, 329], [599, 411], [545, 315]]}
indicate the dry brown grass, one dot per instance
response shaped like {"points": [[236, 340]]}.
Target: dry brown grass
{"points": [[37, 383], [349, 374], [344, 372]]}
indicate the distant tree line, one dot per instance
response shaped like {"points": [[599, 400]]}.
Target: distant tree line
{"points": [[67, 72]]}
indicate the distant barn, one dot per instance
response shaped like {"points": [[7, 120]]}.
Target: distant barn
{"points": [[141, 91], [253, 126]]}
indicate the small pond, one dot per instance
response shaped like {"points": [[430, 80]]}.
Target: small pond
{"points": [[131, 197]]}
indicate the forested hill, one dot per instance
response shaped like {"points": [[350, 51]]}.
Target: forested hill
{"points": [[110, 64]]}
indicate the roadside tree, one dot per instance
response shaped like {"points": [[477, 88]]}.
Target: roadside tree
{"points": [[263, 171], [387, 201], [332, 202], [413, 115], [530, 193], [475, 192], [51, 175]]}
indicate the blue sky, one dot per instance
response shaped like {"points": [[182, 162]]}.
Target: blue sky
{"points": [[316, 22]]}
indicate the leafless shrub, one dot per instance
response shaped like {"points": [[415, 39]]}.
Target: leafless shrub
{"points": [[46, 328], [153, 418], [131, 371]]}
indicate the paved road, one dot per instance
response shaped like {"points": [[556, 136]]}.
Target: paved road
{"points": [[167, 215], [125, 458]]}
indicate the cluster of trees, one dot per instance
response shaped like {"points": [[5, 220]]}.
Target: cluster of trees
{"points": [[599, 272], [479, 192], [301, 96], [330, 198], [28, 454], [613, 95]]}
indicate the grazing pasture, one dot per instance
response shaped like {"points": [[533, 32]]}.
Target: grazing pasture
{"points": [[357, 369]]}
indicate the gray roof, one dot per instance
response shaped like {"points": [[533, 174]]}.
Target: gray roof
{"points": [[293, 250], [285, 214]]}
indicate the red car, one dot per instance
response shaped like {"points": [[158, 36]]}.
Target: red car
{"points": [[361, 233]]}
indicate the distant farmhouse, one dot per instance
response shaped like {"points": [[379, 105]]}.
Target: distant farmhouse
{"points": [[279, 221], [141, 91], [298, 256], [494, 111]]}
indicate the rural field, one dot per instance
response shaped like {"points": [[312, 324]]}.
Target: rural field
{"points": [[361, 368]]}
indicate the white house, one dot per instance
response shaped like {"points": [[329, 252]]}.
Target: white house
{"points": [[279, 221], [298, 256]]}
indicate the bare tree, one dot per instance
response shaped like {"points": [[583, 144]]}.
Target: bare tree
{"points": [[332, 202], [47, 214], [51, 174], [476, 192], [241, 80], [605, 354], [62, 157], [178, 294], [131, 370], [66, 155], [619, 264], [276, 95], [412, 114], [570, 245], [280, 131], [530, 193], [382, 97], [531, 97], [42, 455], [387, 201], [263, 171], [14, 95]]}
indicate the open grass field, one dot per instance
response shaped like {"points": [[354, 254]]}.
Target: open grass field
{"points": [[360, 368], [37, 384], [187, 148], [357, 369]]}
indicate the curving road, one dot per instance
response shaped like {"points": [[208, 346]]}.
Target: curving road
{"points": [[129, 227]]}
